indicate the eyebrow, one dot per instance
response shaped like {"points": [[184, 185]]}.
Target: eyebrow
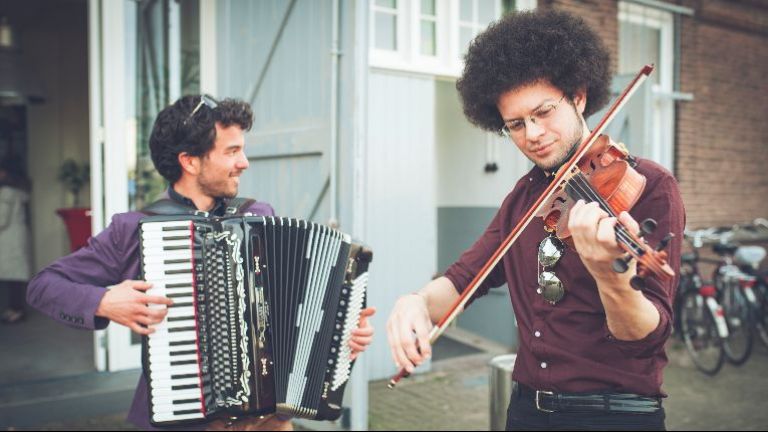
{"points": [[544, 102]]}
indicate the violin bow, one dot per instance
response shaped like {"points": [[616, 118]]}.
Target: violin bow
{"points": [[458, 305]]}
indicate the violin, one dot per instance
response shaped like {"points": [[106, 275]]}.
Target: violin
{"points": [[599, 171], [606, 175]]}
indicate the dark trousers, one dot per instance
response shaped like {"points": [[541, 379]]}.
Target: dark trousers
{"points": [[16, 294], [523, 415]]}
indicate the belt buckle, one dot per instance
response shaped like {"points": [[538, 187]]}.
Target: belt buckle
{"points": [[538, 404]]}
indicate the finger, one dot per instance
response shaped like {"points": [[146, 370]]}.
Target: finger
{"points": [[157, 315], [398, 356], [606, 234], [356, 347], [422, 335], [367, 312], [148, 299], [361, 341], [408, 342], [139, 285], [365, 331], [141, 330], [629, 222]]}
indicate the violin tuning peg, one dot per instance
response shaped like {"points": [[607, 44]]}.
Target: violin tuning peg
{"points": [[621, 265], [648, 226], [665, 241], [637, 283]]}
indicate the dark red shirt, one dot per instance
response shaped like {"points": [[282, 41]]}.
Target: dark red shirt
{"points": [[567, 347]]}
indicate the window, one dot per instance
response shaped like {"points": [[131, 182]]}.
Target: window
{"points": [[646, 35], [385, 24], [428, 24]]}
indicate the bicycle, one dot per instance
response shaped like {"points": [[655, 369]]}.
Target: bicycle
{"points": [[699, 319], [736, 294]]}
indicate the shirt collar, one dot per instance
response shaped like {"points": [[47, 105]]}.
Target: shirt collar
{"points": [[219, 206]]}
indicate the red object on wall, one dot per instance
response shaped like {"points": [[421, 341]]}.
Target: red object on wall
{"points": [[78, 222]]}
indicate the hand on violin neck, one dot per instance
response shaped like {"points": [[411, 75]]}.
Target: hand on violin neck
{"points": [[595, 237]]}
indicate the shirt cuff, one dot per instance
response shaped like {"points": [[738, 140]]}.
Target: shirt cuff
{"points": [[647, 346]]}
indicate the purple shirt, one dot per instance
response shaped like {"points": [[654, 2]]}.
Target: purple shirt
{"points": [[567, 347], [70, 289]]}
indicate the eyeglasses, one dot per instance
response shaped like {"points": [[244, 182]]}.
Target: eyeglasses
{"points": [[205, 100], [537, 117], [551, 249]]}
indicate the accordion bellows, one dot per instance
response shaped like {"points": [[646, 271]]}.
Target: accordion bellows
{"points": [[262, 316]]}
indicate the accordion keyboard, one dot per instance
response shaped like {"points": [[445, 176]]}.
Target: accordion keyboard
{"points": [[176, 385]]}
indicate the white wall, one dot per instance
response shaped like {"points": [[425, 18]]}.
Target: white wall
{"points": [[461, 157], [401, 225], [55, 46]]}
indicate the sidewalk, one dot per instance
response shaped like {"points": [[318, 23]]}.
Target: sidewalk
{"points": [[454, 396]]}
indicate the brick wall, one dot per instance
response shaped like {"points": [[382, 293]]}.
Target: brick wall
{"points": [[722, 139], [722, 135]]}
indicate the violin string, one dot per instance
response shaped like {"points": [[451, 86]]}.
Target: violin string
{"points": [[585, 191]]}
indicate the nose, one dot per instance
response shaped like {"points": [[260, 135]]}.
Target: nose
{"points": [[242, 161], [532, 130]]}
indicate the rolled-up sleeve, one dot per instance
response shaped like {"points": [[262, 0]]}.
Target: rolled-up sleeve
{"points": [[462, 272], [70, 289], [664, 203]]}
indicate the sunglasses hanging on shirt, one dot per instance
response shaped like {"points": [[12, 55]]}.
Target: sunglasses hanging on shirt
{"points": [[551, 249]]}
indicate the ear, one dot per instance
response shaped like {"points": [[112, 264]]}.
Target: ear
{"points": [[189, 164], [580, 100]]}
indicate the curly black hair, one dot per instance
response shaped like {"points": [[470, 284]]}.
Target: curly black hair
{"points": [[527, 47], [171, 136]]}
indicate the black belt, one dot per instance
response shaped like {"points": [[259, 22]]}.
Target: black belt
{"points": [[547, 401]]}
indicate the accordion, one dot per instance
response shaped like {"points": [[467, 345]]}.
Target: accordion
{"points": [[263, 310]]}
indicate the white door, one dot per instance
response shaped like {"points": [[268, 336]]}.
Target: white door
{"points": [[143, 55]]}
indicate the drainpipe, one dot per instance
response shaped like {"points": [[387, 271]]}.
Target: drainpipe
{"points": [[334, 120]]}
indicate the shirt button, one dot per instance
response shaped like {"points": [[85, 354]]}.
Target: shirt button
{"points": [[543, 365], [537, 333]]}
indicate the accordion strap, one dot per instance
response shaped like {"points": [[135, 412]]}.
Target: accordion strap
{"points": [[167, 206]]}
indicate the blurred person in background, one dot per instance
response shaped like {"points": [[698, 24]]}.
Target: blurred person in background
{"points": [[14, 236]]}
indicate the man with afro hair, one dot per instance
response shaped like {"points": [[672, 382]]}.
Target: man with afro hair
{"points": [[591, 347]]}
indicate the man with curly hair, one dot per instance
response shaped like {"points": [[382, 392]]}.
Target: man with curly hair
{"points": [[591, 348], [198, 145]]}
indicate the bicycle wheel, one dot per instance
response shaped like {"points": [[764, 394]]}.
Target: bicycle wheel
{"points": [[761, 314], [737, 311], [699, 332]]}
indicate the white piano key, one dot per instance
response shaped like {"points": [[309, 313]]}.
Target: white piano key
{"points": [[163, 417], [167, 325], [166, 350], [154, 245], [158, 278], [167, 392], [159, 225], [157, 234], [161, 371], [186, 311], [177, 396], [161, 336], [178, 407], [161, 379], [157, 254], [160, 359], [165, 268]]}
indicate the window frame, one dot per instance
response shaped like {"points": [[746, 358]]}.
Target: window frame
{"points": [[662, 137], [407, 56]]}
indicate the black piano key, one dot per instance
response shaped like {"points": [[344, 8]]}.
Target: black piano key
{"points": [[183, 318], [179, 271], [188, 411], [183, 362], [177, 343], [183, 376], [185, 401], [184, 387], [177, 261]]}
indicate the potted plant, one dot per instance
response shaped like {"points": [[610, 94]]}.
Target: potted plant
{"points": [[77, 219]]}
